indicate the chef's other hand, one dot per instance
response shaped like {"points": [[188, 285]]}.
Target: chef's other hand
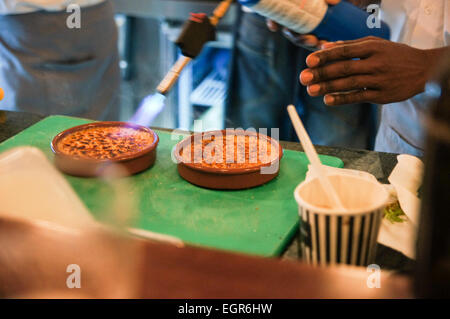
{"points": [[307, 41], [366, 70]]}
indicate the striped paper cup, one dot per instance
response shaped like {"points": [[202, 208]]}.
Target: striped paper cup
{"points": [[330, 236]]}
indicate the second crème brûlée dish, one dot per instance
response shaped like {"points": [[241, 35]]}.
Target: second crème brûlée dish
{"points": [[86, 149], [230, 152], [228, 159]]}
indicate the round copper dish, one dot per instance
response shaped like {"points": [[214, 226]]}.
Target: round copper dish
{"points": [[227, 178], [90, 167]]}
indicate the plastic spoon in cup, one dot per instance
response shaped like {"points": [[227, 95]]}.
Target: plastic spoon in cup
{"points": [[314, 158]]}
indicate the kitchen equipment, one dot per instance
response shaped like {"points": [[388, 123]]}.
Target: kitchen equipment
{"points": [[257, 221], [131, 163], [226, 178], [145, 63], [198, 30], [343, 21], [308, 147], [186, 42]]}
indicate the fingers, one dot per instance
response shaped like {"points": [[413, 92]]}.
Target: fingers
{"points": [[363, 96], [335, 70], [330, 45], [341, 52], [322, 43], [307, 40], [343, 72], [272, 25], [365, 39], [351, 83]]}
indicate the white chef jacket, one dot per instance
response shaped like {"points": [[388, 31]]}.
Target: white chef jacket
{"points": [[26, 6], [423, 24]]}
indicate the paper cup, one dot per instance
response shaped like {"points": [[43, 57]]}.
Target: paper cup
{"points": [[331, 236]]}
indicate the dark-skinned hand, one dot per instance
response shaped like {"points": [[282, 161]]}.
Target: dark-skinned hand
{"points": [[367, 70]]}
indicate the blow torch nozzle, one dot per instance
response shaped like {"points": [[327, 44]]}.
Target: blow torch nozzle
{"points": [[172, 76]]}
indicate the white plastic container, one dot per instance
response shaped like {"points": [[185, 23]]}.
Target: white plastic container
{"points": [[32, 188]]}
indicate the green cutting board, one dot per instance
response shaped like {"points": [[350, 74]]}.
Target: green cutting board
{"points": [[258, 221]]}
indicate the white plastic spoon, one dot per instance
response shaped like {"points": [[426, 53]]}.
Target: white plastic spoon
{"points": [[314, 158]]}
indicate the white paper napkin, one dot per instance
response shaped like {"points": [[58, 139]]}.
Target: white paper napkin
{"points": [[405, 179]]}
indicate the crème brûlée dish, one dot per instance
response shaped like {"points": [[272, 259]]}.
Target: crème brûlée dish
{"points": [[230, 152], [228, 159], [83, 150], [105, 143]]}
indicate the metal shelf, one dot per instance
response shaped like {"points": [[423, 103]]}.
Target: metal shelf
{"points": [[210, 92]]}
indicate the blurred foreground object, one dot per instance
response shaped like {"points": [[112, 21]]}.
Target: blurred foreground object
{"points": [[28, 270], [433, 278], [31, 187], [2, 94], [46, 231], [36, 259]]}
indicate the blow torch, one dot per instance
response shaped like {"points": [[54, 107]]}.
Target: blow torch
{"points": [[197, 31]]}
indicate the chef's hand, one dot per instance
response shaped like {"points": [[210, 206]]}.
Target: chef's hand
{"points": [[307, 41], [367, 70]]}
